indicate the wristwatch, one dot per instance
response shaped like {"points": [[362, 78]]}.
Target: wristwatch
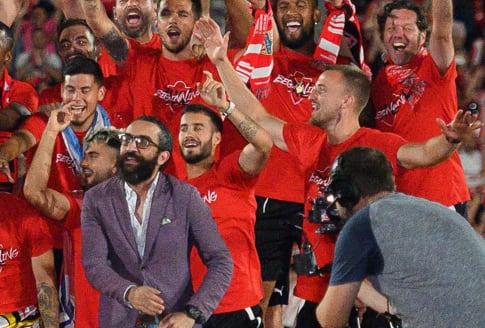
{"points": [[193, 312]]}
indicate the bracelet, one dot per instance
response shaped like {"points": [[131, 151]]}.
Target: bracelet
{"points": [[229, 109]]}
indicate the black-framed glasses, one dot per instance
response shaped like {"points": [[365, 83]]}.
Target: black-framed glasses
{"points": [[141, 142]]}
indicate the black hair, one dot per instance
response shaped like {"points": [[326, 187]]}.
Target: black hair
{"points": [[213, 116], [82, 65], [367, 169], [196, 8], [421, 20], [165, 140], [73, 22], [6, 36]]}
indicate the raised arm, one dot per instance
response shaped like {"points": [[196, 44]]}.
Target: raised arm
{"points": [[441, 42], [70, 8], [254, 155], [105, 30], [439, 148], [47, 296], [210, 36], [48, 201], [11, 10]]}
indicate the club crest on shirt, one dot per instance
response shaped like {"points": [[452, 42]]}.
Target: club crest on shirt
{"points": [[176, 96], [210, 197], [299, 86], [7, 254]]}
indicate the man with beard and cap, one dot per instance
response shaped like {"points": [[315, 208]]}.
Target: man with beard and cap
{"points": [[161, 82], [227, 186], [339, 96], [431, 272], [417, 86], [79, 300], [138, 231]]}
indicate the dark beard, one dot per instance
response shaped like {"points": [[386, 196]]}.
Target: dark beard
{"points": [[138, 174], [194, 159], [295, 44], [136, 33]]}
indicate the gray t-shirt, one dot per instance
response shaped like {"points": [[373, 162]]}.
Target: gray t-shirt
{"points": [[426, 258]]}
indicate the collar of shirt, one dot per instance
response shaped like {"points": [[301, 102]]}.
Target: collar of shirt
{"points": [[140, 229]]}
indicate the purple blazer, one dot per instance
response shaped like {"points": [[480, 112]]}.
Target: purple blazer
{"points": [[178, 220]]}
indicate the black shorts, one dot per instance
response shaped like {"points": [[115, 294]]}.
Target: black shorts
{"points": [[278, 227], [250, 317]]}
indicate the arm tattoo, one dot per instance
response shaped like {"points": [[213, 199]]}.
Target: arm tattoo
{"points": [[48, 305], [248, 128], [116, 45], [92, 5]]}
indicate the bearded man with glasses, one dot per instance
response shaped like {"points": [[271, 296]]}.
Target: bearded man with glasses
{"points": [[138, 232]]}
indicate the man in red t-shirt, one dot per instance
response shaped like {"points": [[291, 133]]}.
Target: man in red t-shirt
{"points": [[227, 187], [339, 96], [162, 81], [17, 99], [27, 277], [79, 300], [416, 87], [82, 89]]}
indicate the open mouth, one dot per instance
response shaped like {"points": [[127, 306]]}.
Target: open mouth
{"points": [[173, 33], [133, 18], [190, 144], [293, 27], [77, 109], [398, 46]]}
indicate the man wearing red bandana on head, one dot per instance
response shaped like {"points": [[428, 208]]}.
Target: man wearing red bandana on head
{"points": [[417, 87]]}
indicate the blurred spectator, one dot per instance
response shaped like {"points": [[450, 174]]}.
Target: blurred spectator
{"points": [[38, 66], [41, 16]]}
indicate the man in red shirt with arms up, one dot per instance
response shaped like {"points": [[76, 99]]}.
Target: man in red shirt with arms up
{"points": [[227, 187], [81, 300], [339, 96], [416, 87]]}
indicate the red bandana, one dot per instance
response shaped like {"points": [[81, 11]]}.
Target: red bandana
{"points": [[404, 80]]}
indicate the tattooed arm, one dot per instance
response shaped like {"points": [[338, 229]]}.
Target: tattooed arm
{"points": [[254, 156], [105, 30], [47, 296], [48, 201]]}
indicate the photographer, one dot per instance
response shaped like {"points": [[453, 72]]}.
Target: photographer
{"points": [[431, 270]]}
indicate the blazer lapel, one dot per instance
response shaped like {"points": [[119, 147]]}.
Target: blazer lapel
{"points": [[123, 215], [160, 201]]}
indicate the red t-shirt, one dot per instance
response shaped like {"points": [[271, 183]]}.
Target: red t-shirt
{"points": [[161, 87], [23, 235], [86, 298], [293, 79], [14, 91], [444, 183], [62, 177], [229, 192], [316, 156]]}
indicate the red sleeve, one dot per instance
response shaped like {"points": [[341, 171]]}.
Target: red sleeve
{"points": [[304, 141], [35, 124], [38, 231], [73, 217], [24, 94], [231, 172]]}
